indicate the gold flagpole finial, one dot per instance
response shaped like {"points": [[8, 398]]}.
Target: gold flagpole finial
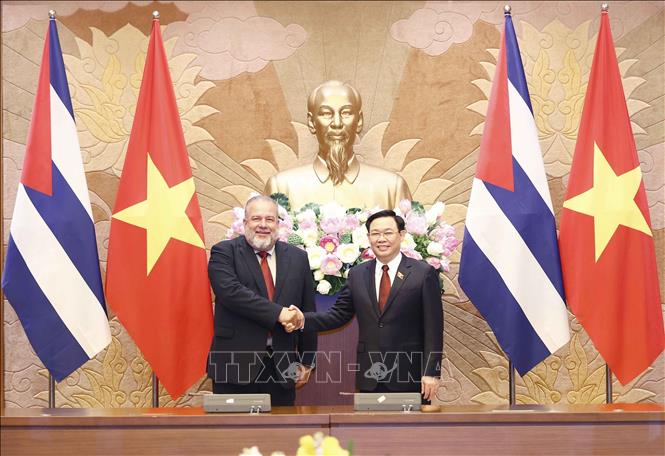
{"points": [[506, 10], [604, 7], [155, 14], [51, 14]]}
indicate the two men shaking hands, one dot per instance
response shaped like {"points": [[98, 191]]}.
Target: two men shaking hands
{"points": [[264, 302]]}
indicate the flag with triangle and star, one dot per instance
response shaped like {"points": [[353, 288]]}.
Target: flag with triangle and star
{"points": [[156, 279], [606, 243]]}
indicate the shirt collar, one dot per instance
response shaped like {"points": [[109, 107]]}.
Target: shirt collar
{"points": [[392, 264], [322, 172]]}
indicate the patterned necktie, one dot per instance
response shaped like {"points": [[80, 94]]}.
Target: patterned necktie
{"points": [[267, 275], [384, 288]]}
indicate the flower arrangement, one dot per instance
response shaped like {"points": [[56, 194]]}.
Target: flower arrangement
{"points": [[335, 237], [310, 445]]}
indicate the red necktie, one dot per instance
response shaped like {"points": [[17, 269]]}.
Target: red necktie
{"points": [[267, 275], [384, 288]]}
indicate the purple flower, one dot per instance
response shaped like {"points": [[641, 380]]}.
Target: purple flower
{"points": [[329, 243], [416, 224], [332, 225], [331, 265]]}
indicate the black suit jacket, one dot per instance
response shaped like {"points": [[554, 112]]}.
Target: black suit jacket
{"points": [[407, 338], [244, 316]]}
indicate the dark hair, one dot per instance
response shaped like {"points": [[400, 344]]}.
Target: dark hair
{"points": [[386, 213]]}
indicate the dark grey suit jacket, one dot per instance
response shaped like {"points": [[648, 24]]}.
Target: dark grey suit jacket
{"points": [[244, 316], [406, 339]]}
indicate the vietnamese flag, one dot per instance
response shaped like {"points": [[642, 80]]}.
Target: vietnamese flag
{"points": [[156, 278], [606, 243]]}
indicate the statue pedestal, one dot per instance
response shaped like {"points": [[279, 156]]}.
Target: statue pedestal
{"points": [[334, 365]]}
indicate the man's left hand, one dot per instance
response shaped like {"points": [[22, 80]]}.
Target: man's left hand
{"points": [[303, 375], [428, 387]]}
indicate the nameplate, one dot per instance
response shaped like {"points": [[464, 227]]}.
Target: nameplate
{"points": [[397, 402], [236, 403]]}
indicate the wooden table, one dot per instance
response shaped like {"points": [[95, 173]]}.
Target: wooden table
{"points": [[619, 429]]}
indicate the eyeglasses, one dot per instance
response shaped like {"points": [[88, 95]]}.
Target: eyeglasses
{"points": [[376, 235]]}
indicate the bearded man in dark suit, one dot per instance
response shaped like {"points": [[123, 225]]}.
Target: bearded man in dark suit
{"points": [[260, 282]]}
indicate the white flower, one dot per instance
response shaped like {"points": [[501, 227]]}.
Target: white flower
{"points": [[346, 274], [307, 214], [332, 210], [408, 242], [315, 255], [253, 451], [435, 248], [348, 253], [436, 211], [363, 216], [309, 237], [360, 238], [323, 287], [318, 275]]}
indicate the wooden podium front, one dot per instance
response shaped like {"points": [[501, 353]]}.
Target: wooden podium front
{"points": [[619, 429]]}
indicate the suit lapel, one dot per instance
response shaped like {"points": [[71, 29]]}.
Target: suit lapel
{"points": [[282, 263], [252, 263], [403, 271], [370, 284]]}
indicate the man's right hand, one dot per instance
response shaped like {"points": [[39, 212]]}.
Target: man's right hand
{"points": [[291, 318]]}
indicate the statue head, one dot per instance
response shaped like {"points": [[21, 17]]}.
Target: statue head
{"points": [[335, 116]]}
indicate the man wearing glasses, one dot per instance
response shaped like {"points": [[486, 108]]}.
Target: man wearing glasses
{"points": [[400, 319]]}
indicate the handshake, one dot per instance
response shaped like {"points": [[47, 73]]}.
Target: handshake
{"points": [[291, 318]]}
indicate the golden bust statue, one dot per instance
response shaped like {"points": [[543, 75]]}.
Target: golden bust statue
{"points": [[334, 115]]}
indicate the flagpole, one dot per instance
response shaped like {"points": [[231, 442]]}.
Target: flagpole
{"points": [[511, 383], [608, 384], [155, 390], [51, 391]]}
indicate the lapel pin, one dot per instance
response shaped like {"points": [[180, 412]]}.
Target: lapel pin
{"points": [[400, 275]]}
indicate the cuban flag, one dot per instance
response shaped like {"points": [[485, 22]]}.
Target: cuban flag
{"points": [[51, 276], [510, 267]]}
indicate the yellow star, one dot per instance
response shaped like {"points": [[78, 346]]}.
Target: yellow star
{"points": [[162, 214], [611, 201]]}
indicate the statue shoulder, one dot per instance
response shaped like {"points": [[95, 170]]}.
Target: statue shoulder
{"points": [[280, 181], [384, 172]]}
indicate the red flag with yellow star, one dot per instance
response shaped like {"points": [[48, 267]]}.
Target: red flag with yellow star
{"points": [[606, 243], [156, 278]]}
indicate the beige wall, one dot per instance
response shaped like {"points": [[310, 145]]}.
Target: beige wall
{"points": [[423, 70]]}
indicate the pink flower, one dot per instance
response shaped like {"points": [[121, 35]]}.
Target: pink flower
{"points": [[329, 243], [331, 265], [404, 206], [451, 243], [351, 221], [438, 234], [332, 225], [307, 224], [368, 254], [434, 262], [416, 224], [238, 227], [412, 254], [445, 264]]}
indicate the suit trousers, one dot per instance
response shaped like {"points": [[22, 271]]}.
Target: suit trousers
{"points": [[265, 383]]}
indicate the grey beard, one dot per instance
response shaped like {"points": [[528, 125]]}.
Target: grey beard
{"points": [[338, 160]]}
